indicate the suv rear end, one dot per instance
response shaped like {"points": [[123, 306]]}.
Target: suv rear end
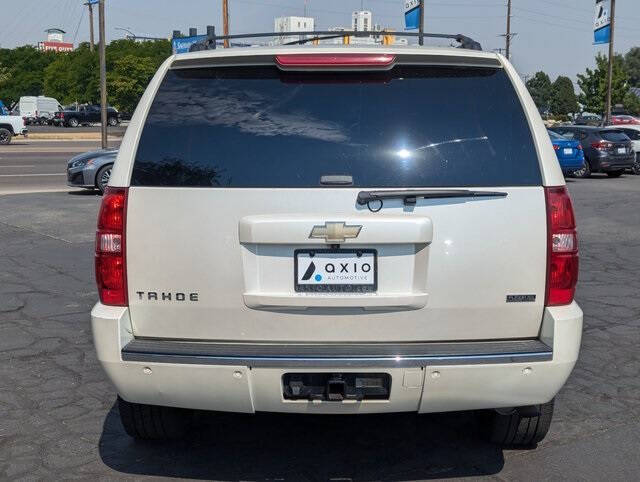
{"points": [[337, 230]]}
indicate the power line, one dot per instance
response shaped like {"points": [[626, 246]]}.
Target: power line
{"points": [[566, 19], [75, 35]]}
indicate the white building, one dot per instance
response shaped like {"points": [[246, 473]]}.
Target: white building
{"points": [[361, 21], [293, 24]]}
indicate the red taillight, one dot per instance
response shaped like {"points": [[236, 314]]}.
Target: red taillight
{"points": [[334, 60], [562, 250], [602, 145], [556, 147], [579, 147], [111, 272]]}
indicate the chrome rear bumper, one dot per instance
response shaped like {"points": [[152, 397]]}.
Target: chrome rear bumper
{"points": [[336, 355]]}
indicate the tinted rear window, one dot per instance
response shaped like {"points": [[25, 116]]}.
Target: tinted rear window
{"points": [[409, 127], [614, 136]]}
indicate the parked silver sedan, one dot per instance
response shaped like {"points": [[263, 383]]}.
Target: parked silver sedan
{"points": [[91, 170]]}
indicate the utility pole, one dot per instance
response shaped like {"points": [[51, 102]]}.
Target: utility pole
{"points": [[225, 21], [103, 74], [91, 38], [508, 35], [421, 24], [611, 54]]}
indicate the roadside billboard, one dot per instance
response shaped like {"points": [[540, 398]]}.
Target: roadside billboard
{"points": [[55, 46]]}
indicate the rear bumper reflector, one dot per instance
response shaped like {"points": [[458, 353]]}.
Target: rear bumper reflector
{"points": [[337, 355]]}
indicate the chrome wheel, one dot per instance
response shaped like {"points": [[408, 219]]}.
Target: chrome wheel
{"points": [[73, 122], [103, 178]]}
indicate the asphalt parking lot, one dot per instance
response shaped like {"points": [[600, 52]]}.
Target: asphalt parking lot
{"points": [[57, 413]]}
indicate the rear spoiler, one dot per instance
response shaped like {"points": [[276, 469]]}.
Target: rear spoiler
{"points": [[249, 57], [213, 41]]}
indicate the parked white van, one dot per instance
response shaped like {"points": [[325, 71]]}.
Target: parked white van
{"points": [[38, 110]]}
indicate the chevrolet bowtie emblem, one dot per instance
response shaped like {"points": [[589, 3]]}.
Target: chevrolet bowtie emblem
{"points": [[334, 232]]}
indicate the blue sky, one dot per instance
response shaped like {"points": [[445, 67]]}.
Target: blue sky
{"points": [[553, 35]]}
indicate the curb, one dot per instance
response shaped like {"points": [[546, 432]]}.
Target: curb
{"points": [[77, 136]]}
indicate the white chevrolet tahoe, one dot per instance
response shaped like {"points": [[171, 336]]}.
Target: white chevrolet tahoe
{"points": [[337, 230]]}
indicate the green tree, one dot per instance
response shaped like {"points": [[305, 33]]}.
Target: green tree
{"points": [[563, 97], [632, 66], [26, 67], [75, 76], [593, 84], [127, 81], [540, 89], [632, 103]]}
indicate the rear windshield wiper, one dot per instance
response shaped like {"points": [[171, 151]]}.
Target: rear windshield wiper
{"points": [[410, 196]]}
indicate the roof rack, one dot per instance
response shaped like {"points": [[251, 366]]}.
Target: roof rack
{"points": [[211, 42]]}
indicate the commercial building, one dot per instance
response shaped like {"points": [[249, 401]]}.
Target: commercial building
{"points": [[55, 41], [362, 21], [292, 24]]}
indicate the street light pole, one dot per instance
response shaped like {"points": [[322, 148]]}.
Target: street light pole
{"points": [[103, 74], [610, 75]]}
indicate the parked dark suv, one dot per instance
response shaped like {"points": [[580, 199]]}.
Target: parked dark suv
{"points": [[605, 150]]}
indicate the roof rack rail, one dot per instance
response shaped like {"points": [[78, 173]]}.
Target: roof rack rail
{"points": [[211, 42]]}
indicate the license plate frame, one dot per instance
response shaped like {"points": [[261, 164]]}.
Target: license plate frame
{"points": [[568, 151], [622, 150], [336, 288]]}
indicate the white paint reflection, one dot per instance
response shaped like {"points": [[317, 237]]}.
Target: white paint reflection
{"points": [[453, 141]]}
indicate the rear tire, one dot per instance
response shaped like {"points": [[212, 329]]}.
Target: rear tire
{"points": [[152, 422], [73, 122], [518, 430], [636, 165], [5, 136], [615, 173], [585, 172]]}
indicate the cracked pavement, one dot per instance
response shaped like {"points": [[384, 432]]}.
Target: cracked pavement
{"points": [[58, 419]]}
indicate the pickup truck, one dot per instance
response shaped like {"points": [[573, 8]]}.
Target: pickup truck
{"points": [[11, 125], [84, 114]]}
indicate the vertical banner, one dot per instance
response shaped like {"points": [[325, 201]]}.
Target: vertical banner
{"points": [[602, 22], [411, 14]]}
